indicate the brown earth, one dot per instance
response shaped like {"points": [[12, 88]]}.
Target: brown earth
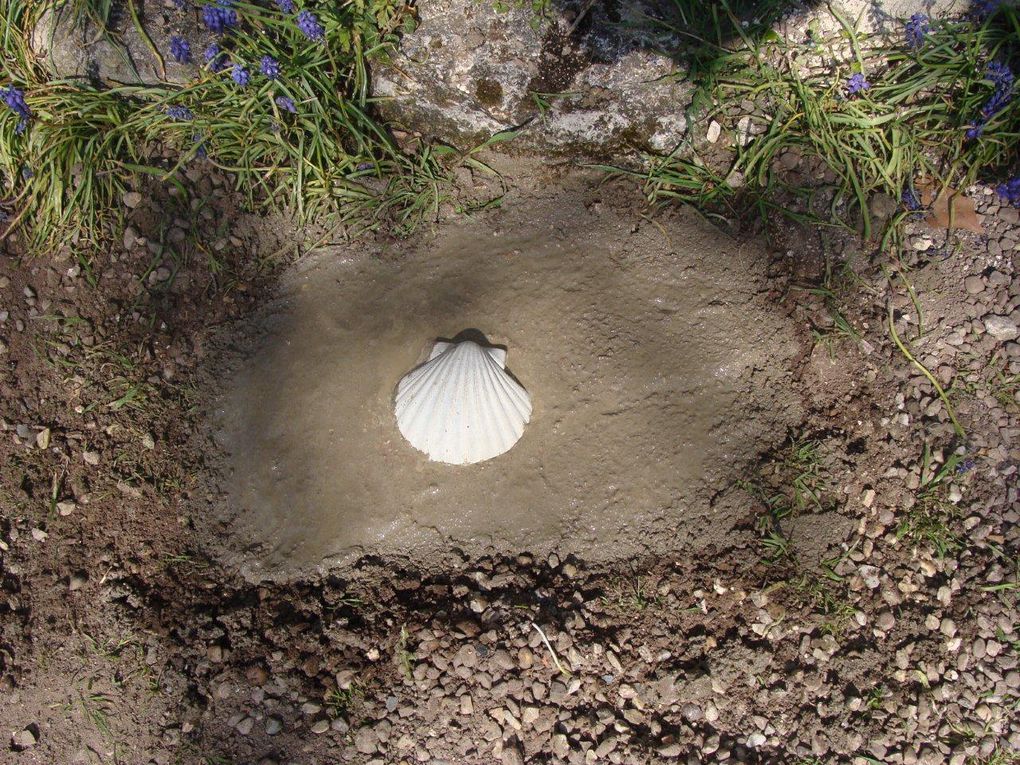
{"points": [[876, 621]]}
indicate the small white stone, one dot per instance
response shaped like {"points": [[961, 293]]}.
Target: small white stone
{"points": [[755, 740], [714, 131]]}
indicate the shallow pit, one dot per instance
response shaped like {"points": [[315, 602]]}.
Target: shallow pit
{"points": [[656, 369]]}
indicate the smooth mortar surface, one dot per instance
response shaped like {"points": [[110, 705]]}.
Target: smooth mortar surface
{"points": [[655, 370]]}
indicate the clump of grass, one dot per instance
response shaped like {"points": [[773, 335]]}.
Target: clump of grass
{"points": [[930, 519], [910, 126], [632, 595], [823, 591], [95, 708], [305, 140], [342, 701], [993, 379], [793, 482], [403, 655]]}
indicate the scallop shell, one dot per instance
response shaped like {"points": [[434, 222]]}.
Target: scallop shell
{"points": [[461, 406]]}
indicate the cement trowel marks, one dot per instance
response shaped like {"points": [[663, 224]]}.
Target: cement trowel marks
{"points": [[655, 373]]}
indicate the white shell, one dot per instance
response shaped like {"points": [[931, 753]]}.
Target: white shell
{"points": [[461, 406]]}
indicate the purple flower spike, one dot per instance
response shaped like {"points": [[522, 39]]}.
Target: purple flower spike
{"points": [[910, 200], [15, 100], [240, 75], [857, 84], [285, 6], [916, 30], [1009, 191], [1000, 74], [219, 18], [287, 104], [215, 58], [1002, 79], [310, 26], [179, 113], [180, 49], [984, 8], [270, 67]]}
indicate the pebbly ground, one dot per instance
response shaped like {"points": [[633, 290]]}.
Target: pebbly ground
{"points": [[122, 641]]}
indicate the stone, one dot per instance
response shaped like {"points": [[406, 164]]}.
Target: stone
{"points": [[469, 71], [870, 576], [130, 236], [512, 754], [714, 131], [75, 49], [320, 727], [974, 285], [1000, 327], [560, 746], [23, 739], [692, 712], [364, 740], [883, 206]]}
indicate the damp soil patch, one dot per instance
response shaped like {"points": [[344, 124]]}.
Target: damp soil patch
{"points": [[657, 370]]}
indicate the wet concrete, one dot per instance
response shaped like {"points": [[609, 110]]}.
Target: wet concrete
{"points": [[655, 369]]}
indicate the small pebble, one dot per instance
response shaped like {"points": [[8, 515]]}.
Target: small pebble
{"points": [[320, 726]]}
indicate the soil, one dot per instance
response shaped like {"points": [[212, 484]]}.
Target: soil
{"points": [[657, 370], [884, 626]]}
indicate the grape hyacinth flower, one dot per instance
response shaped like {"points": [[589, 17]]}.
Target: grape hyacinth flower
{"points": [[240, 75], [916, 30], [179, 113], [15, 100], [910, 200], [984, 8], [966, 466], [857, 84], [310, 26], [270, 67], [1010, 191], [285, 6], [219, 18], [181, 4], [180, 49], [215, 58], [287, 104], [1002, 80], [200, 151]]}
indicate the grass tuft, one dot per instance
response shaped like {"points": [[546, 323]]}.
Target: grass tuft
{"points": [[85, 143], [908, 130], [930, 519]]}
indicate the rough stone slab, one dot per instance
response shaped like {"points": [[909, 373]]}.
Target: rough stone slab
{"points": [[469, 71]]}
